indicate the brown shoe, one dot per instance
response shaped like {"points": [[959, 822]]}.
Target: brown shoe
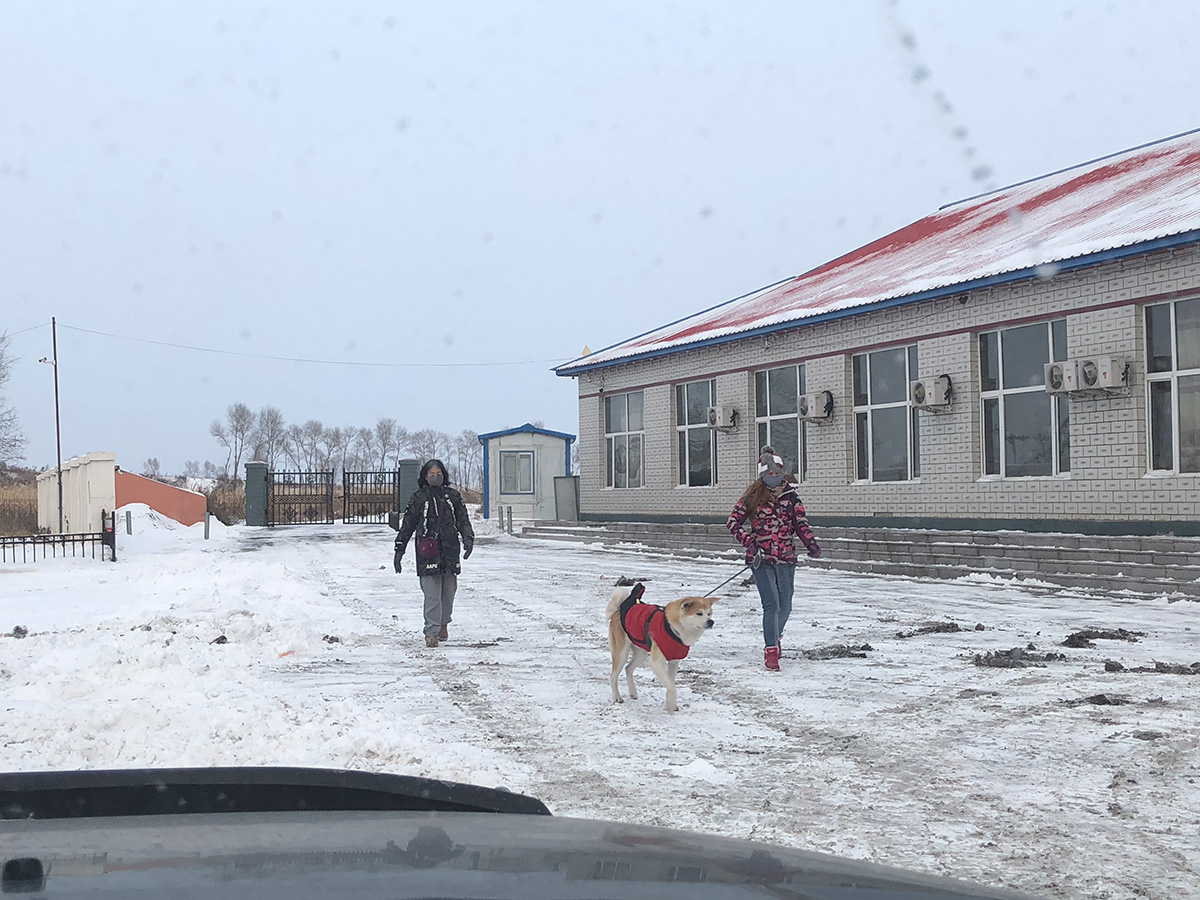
{"points": [[443, 634], [431, 640]]}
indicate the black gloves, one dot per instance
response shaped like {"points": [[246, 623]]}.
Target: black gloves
{"points": [[468, 546], [397, 558]]}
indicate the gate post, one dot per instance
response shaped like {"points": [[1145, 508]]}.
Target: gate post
{"points": [[256, 493], [406, 480]]}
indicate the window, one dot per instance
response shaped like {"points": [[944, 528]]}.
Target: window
{"points": [[611, 870], [885, 427], [1173, 385], [697, 442], [516, 472], [624, 434], [777, 413], [1025, 430]]}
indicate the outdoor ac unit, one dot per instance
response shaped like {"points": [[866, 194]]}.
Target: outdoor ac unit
{"points": [[816, 406], [1103, 373], [722, 417], [1062, 377], [931, 393]]}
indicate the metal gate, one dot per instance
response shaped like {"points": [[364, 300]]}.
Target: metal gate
{"points": [[368, 497], [300, 498]]}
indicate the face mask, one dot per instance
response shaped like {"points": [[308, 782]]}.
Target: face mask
{"points": [[772, 481], [434, 479]]}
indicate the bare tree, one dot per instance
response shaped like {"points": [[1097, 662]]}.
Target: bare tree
{"points": [[305, 446], [468, 459], [362, 450], [428, 443], [270, 432], [151, 468], [12, 441], [388, 439], [337, 442], [233, 434]]}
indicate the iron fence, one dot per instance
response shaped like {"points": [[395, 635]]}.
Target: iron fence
{"points": [[368, 497], [300, 498], [66, 546]]}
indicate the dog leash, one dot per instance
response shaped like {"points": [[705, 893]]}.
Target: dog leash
{"points": [[726, 581]]}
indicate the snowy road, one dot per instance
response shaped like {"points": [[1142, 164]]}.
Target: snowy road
{"points": [[910, 755]]}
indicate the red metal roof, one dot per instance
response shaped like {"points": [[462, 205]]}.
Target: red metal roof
{"points": [[1120, 201]]}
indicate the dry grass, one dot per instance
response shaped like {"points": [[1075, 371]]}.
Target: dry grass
{"points": [[18, 510], [227, 501]]}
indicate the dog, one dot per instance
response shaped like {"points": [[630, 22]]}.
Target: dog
{"points": [[641, 633]]}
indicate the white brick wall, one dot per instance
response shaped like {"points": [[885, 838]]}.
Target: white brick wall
{"points": [[1107, 482]]}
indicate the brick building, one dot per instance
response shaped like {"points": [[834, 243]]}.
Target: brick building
{"points": [[1025, 359]]}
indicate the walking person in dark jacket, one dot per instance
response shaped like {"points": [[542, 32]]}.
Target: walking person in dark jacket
{"points": [[766, 521], [437, 516]]}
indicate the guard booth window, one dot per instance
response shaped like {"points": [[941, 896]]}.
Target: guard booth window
{"points": [[516, 472]]}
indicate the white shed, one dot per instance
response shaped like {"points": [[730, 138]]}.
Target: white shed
{"points": [[519, 470]]}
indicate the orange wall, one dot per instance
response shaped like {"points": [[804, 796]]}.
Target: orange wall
{"points": [[185, 507]]}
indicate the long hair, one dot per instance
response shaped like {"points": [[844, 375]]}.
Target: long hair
{"points": [[758, 493]]}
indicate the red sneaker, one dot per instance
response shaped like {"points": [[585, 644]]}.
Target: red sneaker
{"points": [[771, 658]]}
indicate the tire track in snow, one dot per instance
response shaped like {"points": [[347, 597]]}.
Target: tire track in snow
{"points": [[511, 724]]}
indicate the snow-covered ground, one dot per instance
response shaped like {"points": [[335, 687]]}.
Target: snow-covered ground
{"points": [[301, 646]]}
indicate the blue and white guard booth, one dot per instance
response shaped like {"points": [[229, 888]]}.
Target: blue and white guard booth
{"points": [[528, 469]]}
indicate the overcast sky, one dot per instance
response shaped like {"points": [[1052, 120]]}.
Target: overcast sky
{"points": [[441, 201]]}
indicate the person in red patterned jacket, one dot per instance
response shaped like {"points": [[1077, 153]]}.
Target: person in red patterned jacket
{"points": [[766, 520]]}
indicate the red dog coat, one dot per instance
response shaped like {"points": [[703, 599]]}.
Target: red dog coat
{"points": [[644, 621]]}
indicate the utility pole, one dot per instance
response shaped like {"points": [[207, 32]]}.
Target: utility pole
{"points": [[57, 428]]}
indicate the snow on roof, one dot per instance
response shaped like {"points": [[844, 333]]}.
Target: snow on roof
{"points": [[1118, 202]]}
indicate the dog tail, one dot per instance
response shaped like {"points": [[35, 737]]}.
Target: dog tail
{"points": [[614, 605]]}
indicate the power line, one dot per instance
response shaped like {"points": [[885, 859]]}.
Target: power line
{"points": [[23, 330], [322, 362]]}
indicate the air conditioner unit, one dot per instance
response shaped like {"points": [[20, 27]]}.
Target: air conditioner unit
{"points": [[931, 393], [722, 417], [1103, 373], [814, 407], [1062, 377]]}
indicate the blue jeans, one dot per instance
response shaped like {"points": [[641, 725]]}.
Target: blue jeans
{"points": [[775, 584]]}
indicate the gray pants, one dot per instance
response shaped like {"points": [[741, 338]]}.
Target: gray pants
{"points": [[439, 599]]}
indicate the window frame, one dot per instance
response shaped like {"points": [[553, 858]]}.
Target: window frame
{"points": [[763, 421], [1170, 377], [532, 472], [614, 439], [865, 414], [1058, 425], [683, 430]]}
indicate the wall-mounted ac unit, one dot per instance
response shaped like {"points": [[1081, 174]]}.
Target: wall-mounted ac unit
{"points": [[817, 406], [1102, 373], [722, 417], [931, 393], [1097, 373], [1062, 377]]}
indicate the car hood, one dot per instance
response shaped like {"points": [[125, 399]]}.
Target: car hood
{"points": [[321, 854]]}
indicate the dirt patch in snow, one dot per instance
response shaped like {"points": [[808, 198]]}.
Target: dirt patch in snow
{"points": [[1159, 668], [937, 628], [838, 651], [1016, 658], [1085, 637]]}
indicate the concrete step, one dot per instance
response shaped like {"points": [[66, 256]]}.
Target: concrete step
{"points": [[1153, 565]]}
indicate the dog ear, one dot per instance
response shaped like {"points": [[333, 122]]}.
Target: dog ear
{"points": [[688, 604], [713, 599]]}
